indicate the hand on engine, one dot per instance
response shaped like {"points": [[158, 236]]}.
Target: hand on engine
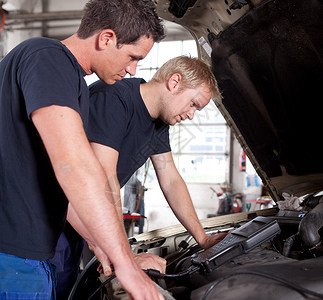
{"points": [[150, 261]]}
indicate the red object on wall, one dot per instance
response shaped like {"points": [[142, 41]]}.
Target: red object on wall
{"points": [[242, 161]]}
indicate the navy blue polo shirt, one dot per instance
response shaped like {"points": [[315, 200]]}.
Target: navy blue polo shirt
{"points": [[119, 119]]}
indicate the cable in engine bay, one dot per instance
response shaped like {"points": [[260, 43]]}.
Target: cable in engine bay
{"points": [[150, 272]]}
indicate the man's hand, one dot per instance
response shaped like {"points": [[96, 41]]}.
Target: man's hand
{"points": [[211, 240], [105, 266], [139, 285], [150, 261], [143, 260]]}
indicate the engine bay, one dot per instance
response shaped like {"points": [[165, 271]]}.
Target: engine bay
{"points": [[274, 256]]}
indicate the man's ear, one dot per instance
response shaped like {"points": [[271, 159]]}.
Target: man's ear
{"points": [[106, 38], [174, 82]]}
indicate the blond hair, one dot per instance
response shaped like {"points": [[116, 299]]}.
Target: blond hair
{"points": [[194, 73]]}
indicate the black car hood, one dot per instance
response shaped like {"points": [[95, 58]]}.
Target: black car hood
{"points": [[267, 58]]}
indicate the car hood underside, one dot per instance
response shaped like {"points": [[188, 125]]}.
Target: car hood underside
{"points": [[267, 58]]}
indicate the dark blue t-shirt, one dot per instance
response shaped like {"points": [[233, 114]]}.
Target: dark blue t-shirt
{"points": [[119, 119], [37, 73]]}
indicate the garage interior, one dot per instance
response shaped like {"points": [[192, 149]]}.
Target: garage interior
{"points": [[206, 152], [273, 253]]}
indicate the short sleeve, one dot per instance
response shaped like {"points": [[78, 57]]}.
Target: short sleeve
{"points": [[49, 77], [161, 139]]}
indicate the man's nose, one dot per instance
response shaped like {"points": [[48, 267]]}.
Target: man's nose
{"points": [[190, 114], [131, 68]]}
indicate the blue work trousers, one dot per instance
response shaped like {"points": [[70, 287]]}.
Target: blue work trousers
{"points": [[67, 260], [25, 279]]}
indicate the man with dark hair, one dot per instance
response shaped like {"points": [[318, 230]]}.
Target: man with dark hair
{"points": [[46, 161]]}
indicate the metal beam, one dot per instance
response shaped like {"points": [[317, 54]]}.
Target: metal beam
{"points": [[18, 18]]}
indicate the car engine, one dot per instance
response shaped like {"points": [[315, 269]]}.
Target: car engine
{"points": [[269, 256]]}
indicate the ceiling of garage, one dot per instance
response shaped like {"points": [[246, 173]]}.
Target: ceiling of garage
{"points": [[60, 19]]}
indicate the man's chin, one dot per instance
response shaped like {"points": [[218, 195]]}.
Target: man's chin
{"points": [[110, 81]]}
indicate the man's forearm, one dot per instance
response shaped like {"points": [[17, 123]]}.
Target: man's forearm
{"points": [[178, 197], [77, 224], [97, 219], [180, 201], [114, 193], [82, 178], [108, 158], [177, 194]]}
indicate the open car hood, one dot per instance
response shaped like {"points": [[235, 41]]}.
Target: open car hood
{"points": [[267, 57]]}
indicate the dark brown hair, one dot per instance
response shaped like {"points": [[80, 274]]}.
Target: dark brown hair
{"points": [[129, 19]]}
